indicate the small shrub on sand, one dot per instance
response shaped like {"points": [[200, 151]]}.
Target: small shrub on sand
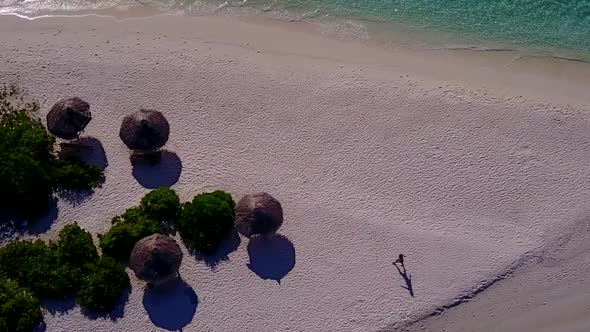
{"points": [[103, 286], [206, 221], [121, 238], [161, 204], [20, 310]]}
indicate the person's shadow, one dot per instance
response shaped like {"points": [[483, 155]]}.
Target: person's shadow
{"points": [[407, 278], [172, 307]]}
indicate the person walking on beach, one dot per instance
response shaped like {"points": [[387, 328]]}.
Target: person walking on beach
{"points": [[400, 260]]}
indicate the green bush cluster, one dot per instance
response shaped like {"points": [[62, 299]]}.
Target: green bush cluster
{"points": [[56, 270], [130, 216], [206, 221], [161, 204], [75, 174], [51, 270], [103, 285], [158, 207], [202, 223], [29, 169], [119, 241], [20, 310], [36, 266]]}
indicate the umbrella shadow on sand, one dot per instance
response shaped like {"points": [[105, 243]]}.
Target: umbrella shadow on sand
{"points": [[163, 174], [271, 257], [172, 306], [90, 151]]}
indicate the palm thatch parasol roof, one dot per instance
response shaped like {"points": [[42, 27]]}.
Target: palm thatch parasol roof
{"points": [[258, 214], [156, 259], [68, 117], [145, 130]]}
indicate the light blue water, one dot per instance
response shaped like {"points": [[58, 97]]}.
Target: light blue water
{"points": [[541, 24], [558, 27]]}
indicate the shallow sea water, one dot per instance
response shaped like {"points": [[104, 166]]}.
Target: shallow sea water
{"points": [[552, 27]]}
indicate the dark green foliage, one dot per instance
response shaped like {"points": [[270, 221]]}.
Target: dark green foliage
{"points": [[75, 250], [161, 204], [20, 310], [130, 216], [226, 197], [206, 221], [29, 169], [103, 286], [75, 246], [51, 270], [35, 265], [25, 157], [134, 224], [119, 241], [74, 174]]}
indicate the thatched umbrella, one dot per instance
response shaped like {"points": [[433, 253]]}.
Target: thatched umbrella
{"points": [[258, 214], [145, 130], [68, 117], [156, 259]]}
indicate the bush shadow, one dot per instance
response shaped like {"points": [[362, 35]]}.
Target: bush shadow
{"points": [[43, 224], [59, 306], [117, 312], [12, 225], [9, 224], [227, 246], [163, 174], [42, 327], [74, 197], [171, 307], [271, 257]]}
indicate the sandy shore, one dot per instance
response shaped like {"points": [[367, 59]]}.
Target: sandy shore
{"points": [[470, 163], [547, 293]]}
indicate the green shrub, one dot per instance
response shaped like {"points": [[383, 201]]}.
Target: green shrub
{"points": [[119, 241], [206, 221], [74, 174], [75, 246], [75, 249], [130, 216], [29, 168], [161, 204], [25, 157], [52, 270], [20, 310], [103, 286], [35, 265]]}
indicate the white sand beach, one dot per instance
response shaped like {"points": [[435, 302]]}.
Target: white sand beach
{"points": [[472, 164]]}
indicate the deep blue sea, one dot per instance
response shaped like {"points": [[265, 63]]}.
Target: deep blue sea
{"points": [[557, 27]]}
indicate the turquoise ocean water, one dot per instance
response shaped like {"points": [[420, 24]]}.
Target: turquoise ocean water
{"points": [[556, 27]]}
